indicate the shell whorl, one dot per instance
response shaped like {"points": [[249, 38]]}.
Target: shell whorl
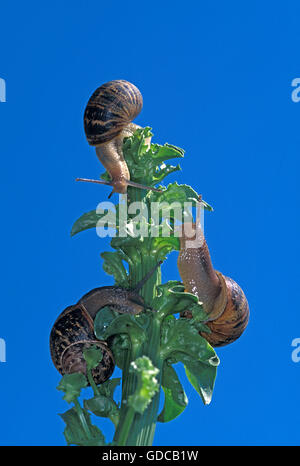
{"points": [[110, 109], [73, 331], [232, 322]]}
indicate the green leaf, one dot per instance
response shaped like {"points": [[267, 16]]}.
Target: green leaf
{"points": [[93, 355], [124, 323], [163, 246], [86, 221], [120, 345], [103, 406], [76, 435], [103, 320], [108, 387], [113, 265], [181, 342], [72, 384], [180, 193], [175, 397], [171, 299], [93, 219], [201, 374], [182, 335], [165, 152], [145, 164], [147, 384], [164, 171]]}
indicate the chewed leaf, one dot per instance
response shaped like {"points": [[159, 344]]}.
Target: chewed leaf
{"points": [[181, 342], [164, 171], [71, 385], [178, 193], [182, 335], [175, 397], [147, 384], [162, 246], [166, 152], [76, 435], [113, 265], [145, 162]]}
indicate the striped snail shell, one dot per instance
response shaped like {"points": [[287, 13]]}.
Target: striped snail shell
{"points": [[110, 109], [73, 330], [222, 298], [107, 121]]}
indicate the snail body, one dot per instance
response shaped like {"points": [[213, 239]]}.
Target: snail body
{"points": [[222, 298], [73, 330], [107, 121]]}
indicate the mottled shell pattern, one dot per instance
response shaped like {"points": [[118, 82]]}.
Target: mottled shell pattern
{"points": [[73, 331]]}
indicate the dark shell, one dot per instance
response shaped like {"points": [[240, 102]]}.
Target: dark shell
{"points": [[72, 331], [73, 360], [110, 109]]}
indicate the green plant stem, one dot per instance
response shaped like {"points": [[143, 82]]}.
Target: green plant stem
{"points": [[126, 426], [82, 418], [135, 428], [144, 425], [92, 382]]}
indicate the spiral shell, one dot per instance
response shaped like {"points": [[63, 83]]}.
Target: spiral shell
{"points": [[110, 109], [72, 332], [232, 322]]}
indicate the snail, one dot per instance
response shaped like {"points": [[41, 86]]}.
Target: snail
{"points": [[73, 330], [107, 121], [222, 298]]}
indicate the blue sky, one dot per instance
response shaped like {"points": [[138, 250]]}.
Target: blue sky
{"points": [[216, 81]]}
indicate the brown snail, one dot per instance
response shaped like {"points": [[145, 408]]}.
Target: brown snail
{"points": [[223, 300], [107, 121], [73, 330]]}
